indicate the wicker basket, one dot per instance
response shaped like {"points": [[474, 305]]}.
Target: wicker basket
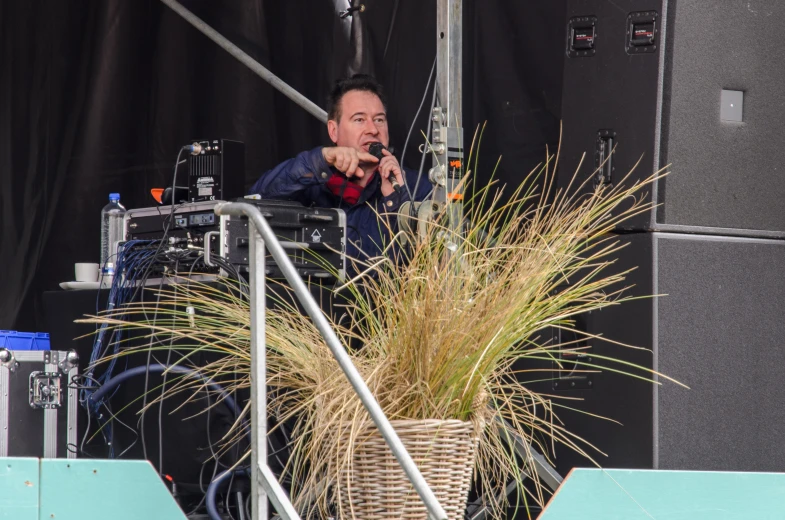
{"points": [[375, 486]]}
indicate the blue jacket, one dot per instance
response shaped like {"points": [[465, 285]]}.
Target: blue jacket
{"points": [[303, 179]]}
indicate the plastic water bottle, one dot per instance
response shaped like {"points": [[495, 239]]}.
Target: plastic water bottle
{"points": [[112, 232]]}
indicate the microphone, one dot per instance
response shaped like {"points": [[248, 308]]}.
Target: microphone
{"points": [[376, 150]]}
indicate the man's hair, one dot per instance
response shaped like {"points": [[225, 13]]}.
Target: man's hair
{"points": [[362, 82]]}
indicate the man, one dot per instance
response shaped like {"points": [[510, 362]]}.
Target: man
{"points": [[346, 175]]}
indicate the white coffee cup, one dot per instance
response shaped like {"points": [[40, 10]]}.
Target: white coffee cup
{"points": [[86, 272]]}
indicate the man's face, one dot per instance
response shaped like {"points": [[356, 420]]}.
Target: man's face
{"points": [[362, 121]]}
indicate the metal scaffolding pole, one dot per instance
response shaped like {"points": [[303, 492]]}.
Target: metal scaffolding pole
{"points": [[447, 145], [249, 62]]}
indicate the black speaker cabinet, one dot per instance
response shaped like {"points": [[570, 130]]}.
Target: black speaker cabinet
{"points": [[696, 85], [718, 326]]}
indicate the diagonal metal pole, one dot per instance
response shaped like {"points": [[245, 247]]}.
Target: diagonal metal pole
{"points": [[249, 62]]}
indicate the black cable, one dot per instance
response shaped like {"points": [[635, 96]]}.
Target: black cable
{"points": [[164, 258], [214, 458], [167, 224], [76, 386], [425, 150], [390, 30], [236, 457], [113, 417], [212, 510], [137, 260], [228, 494], [209, 444], [82, 449], [411, 128], [147, 372], [117, 380], [130, 259], [158, 258], [163, 385], [419, 109], [232, 270], [87, 431]]}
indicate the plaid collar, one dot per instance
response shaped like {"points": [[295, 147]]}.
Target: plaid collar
{"points": [[350, 191]]}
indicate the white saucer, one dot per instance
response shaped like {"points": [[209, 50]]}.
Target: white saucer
{"points": [[75, 286]]}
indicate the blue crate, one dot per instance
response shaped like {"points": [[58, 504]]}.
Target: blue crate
{"points": [[13, 340]]}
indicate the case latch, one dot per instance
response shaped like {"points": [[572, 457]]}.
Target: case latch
{"points": [[46, 390], [7, 360]]}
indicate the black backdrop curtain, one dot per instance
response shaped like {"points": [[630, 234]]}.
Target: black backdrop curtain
{"points": [[98, 95]]}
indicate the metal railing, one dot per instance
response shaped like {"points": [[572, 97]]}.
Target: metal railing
{"points": [[259, 234]]}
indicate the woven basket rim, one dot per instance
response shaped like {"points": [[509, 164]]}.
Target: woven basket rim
{"points": [[406, 425]]}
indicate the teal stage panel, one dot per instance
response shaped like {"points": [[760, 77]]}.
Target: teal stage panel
{"points": [[616, 494], [19, 488], [71, 489]]}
